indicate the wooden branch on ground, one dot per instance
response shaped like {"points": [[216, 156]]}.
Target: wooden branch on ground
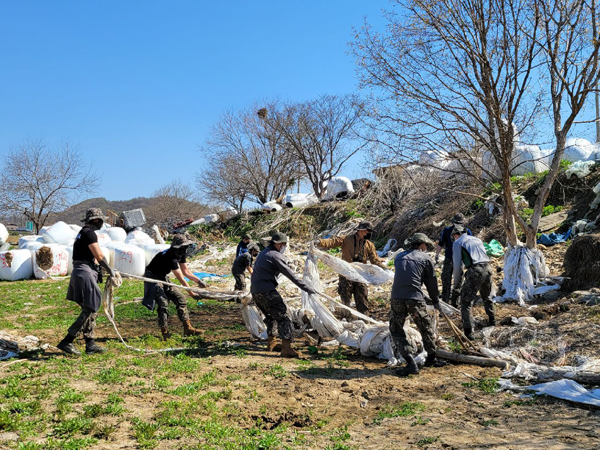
{"points": [[469, 359]]}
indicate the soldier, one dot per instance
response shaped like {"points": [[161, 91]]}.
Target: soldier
{"points": [[469, 250], [243, 245], [413, 269], [83, 286], [171, 260], [241, 264], [447, 269], [356, 247], [269, 264]]}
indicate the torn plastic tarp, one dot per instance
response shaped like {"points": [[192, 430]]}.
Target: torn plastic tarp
{"points": [[494, 248], [580, 169], [357, 272], [391, 243], [564, 389], [554, 238], [523, 269]]}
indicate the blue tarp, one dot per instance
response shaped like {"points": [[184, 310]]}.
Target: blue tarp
{"points": [[554, 238]]}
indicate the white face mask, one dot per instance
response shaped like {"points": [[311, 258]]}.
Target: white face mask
{"points": [[282, 249]]}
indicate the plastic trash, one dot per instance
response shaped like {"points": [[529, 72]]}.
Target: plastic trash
{"points": [[338, 187], [523, 269], [391, 243], [358, 272], [212, 218], [564, 389], [25, 239], [59, 233], [136, 237], [494, 248], [580, 169], [300, 200], [16, 265], [103, 237], [271, 206]]}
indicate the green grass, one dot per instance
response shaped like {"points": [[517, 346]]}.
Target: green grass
{"points": [[426, 441], [487, 385], [405, 409]]}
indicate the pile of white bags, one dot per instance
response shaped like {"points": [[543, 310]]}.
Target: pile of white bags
{"points": [[56, 267], [523, 269], [15, 265], [300, 200], [59, 233], [3, 234]]}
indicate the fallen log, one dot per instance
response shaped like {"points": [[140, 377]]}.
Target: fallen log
{"points": [[470, 359]]}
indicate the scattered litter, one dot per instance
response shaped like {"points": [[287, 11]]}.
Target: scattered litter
{"points": [[494, 248], [554, 238], [580, 169], [358, 272], [564, 389], [391, 243], [541, 290]]}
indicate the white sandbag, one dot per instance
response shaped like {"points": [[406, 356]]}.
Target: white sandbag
{"points": [[150, 251], [75, 228], [3, 234], [103, 237], [69, 250], [60, 262], [34, 238], [271, 206], [128, 259], [117, 234], [59, 233], [138, 237], [44, 229], [300, 200], [338, 187], [212, 218], [577, 149], [16, 265]]}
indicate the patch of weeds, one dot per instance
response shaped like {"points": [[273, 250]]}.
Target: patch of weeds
{"points": [[254, 396], [305, 364], [426, 441], [145, 433], [105, 431], [92, 411], [405, 409], [455, 346], [420, 421], [253, 365], [111, 375], [69, 427], [162, 383], [340, 434], [234, 377], [511, 403], [30, 446], [340, 446], [277, 371], [489, 423], [448, 396], [9, 421], [487, 385]]}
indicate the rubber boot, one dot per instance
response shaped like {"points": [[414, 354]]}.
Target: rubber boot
{"points": [[91, 347], [273, 345], [286, 349], [66, 345], [164, 331], [411, 368], [469, 334], [492, 321], [189, 330], [432, 361]]}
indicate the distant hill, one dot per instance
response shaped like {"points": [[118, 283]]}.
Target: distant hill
{"points": [[75, 213]]}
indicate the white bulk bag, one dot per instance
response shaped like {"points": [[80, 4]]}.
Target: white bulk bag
{"points": [[32, 245], [527, 159], [300, 200], [103, 237], [3, 234], [271, 206], [577, 149], [60, 262], [338, 186], [212, 218], [154, 249], [24, 239], [59, 233], [128, 259], [75, 228], [136, 237], [198, 222], [15, 265], [117, 234]]}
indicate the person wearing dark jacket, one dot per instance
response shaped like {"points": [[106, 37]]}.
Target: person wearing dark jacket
{"points": [[243, 263], [449, 295], [83, 287], [242, 246], [413, 269], [171, 260], [269, 264]]}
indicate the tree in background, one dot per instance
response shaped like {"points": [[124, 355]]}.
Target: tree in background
{"points": [[244, 145], [174, 202], [37, 180], [221, 184], [323, 134]]}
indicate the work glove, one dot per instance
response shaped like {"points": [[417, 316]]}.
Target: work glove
{"points": [[202, 284], [104, 264]]}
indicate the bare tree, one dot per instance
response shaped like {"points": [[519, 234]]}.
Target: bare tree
{"points": [[37, 180], [174, 202], [221, 184], [255, 152], [323, 134]]}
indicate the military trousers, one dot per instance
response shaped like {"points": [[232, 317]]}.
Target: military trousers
{"points": [[400, 310]]}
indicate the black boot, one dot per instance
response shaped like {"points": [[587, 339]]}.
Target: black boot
{"points": [[66, 345], [411, 368], [469, 334], [492, 321], [432, 361], [91, 347]]}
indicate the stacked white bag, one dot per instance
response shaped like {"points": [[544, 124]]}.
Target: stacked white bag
{"points": [[59, 233], [15, 265], [59, 266], [3, 234]]}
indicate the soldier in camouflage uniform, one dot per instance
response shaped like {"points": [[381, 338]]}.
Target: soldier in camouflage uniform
{"points": [[469, 250], [356, 247], [413, 269], [445, 242]]}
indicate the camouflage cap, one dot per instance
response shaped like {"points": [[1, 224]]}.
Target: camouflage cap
{"points": [[253, 246], [458, 218], [279, 238], [93, 213], [458, 229], [180, 241], [419, 238], [365, 226]]}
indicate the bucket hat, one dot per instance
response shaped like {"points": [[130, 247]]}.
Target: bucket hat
{"points": [[419, 238], [93, 213], [279, 238]]}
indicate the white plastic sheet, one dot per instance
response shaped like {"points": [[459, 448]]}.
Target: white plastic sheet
{"points": [[564, 389], [523, 269], [580, 169], [358, 272], [338, 186], [391, 243]]}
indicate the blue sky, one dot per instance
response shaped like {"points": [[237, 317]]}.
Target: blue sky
{"points": [[137, 84]]}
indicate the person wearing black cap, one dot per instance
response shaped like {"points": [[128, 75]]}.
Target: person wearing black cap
{"points": [[414, 268], [243, 263], [469, 250], [356, 247], [83, 286], [449, 295], [171, 260], [269, 264], [243, 245]]}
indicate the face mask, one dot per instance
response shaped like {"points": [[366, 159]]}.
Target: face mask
{"points": [[282, 249], [96, 224]]}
